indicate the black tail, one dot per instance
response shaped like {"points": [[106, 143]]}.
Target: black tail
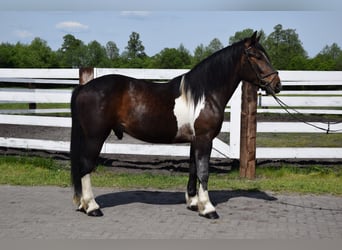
{"points": [[75, 145]]}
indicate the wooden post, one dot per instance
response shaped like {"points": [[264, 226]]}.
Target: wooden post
{"points": [[85, 75], [248, 130], [32, 105]]}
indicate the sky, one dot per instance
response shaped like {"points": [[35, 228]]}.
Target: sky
{"points": [[167, 24]]}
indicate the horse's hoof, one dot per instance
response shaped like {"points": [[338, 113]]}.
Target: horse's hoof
{"points": [[95, 213], [193, 208], [82, 210], [212, 215]]}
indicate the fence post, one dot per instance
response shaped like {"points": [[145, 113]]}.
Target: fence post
{"points": [[85, 75], [32, 105], [248, 130]]}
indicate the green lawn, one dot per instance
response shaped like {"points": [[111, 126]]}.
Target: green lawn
{"points": [[39, 105], [294, 139], [315, 179]]}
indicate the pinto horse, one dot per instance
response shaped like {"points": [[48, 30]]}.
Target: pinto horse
{"points": [[189, 108]]}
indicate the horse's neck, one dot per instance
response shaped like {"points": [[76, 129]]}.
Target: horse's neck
{"points": [[227, 86], [221, 79], [223, 95]]}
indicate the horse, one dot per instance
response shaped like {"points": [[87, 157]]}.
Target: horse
{"points": [[187, 109]]}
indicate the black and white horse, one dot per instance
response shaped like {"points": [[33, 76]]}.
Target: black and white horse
{"points": [[189, 108]]}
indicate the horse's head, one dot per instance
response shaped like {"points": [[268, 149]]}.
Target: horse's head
{"points": [[257, 67]]}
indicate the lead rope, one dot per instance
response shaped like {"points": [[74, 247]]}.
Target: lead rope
{"points": [[286, 108]]}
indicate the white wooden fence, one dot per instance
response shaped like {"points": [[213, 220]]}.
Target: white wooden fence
{"points": [[327, 102]]}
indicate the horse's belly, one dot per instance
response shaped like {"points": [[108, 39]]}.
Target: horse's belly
{"points": [[164, 122], [154, 129]]}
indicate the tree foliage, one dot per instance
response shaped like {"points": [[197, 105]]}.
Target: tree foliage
{"points": [[112, 50], [202, 52], [240, 35], [135, 48], [72, 53], [96, 55], [283, 46], [171, 58]]}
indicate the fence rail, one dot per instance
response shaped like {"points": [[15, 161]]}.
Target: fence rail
{"points": [[308, 101]]}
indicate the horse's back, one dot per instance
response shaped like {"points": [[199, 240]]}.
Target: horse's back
{"points": [[140, 108]]}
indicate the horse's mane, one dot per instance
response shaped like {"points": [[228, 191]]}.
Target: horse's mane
{"points": [[209, 74]]}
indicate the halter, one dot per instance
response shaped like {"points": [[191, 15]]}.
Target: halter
{"points": [[264, 84]]}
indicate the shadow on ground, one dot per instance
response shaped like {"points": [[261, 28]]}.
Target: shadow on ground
{"points": [[174, 198]]}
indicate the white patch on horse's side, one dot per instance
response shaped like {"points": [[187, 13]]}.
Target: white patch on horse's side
{"points": [[185, 110], [204, 204], [88, 202]]}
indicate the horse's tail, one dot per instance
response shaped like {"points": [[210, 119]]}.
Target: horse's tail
{"points": [[77, 136]]}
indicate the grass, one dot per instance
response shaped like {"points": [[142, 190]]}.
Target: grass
{"points": [[298, 140], [294, 139], [32, 171], [11, 106], [316, 179], [25, 106]]}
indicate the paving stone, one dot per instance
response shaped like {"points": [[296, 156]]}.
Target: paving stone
{"points": [[48, 213]]}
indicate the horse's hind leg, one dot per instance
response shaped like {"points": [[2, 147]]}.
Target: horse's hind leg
{"points": [[88, 160], [87, 201]]}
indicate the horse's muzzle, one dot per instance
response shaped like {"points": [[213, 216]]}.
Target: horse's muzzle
{"points": [[277, 87]]}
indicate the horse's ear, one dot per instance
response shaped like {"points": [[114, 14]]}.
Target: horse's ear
{"points": [[258, 38], [251, 40], [254, 37]]}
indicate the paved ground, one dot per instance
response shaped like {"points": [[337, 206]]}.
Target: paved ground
{"points": [[47, 212]]}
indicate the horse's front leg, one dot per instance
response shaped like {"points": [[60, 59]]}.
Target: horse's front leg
{"points": [[202, 152], [191, 196]]}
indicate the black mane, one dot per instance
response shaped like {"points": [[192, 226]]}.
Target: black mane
{"points": [[210, 73]]}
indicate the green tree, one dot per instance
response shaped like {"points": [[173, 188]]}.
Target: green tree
{"points": [[112, 50], [21, 56], [171, 58], [284, 45], [319, 63], [35, 55], [96, 55], [202, 52], [134, 55], [214, 45], [73, 52], [333, 51], [185, 56], [240, 35], [7, 52], [168, 58], [331, 55], [41, 55], [134, 48]]}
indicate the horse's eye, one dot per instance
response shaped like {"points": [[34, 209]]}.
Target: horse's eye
{"points": [[257, 55]]}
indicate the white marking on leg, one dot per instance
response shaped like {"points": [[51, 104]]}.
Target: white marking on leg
{"points": [[191, 202], [204, 204], [185, 110], [88, 202], [77, 200]]}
